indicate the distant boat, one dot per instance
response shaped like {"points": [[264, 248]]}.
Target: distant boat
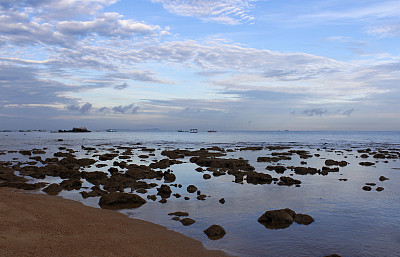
{"points": [[212, 131], [111, 130], [181, 130], [193, 131]]}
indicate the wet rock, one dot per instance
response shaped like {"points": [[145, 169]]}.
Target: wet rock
{"points": [[94, 177], [222, 200], [201, 197], [186, 198], [331, 162], [53, 189], [364, 156], [305, 170], [366, 188], [191, 189], [379, 189], [206, 176], [118, 200], [366, 163], [333, 255], [23, 152], [177, 195], [277, 169], [215, 232], [303, 219], [258, 178], [199, 169], [383, 178], [164, 163], [277, 219], [179, 214], [169, 177], [141, 191], [107, 156], [288, 181], [152, 197], [176, 218], [370, 184], [273, 159], [71, 184], [96, 191], [163, 200], [187, 221], [342, 179], [218, 173], [164, 191], [223, 164]]}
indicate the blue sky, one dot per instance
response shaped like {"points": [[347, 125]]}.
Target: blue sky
{"points": [[208, 64]]}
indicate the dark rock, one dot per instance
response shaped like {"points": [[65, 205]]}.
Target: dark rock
{"points": [[152, 197], [277, 219], [118, 200], [141, 191], [71, 184], [364, 156], [288, 181], [215, 232], [303, 219], [169, 177], [277, 169], [201, 197], [222, 200], [176, 218], [383, 178], [206, 176], [366, 163], [177, 195], [379, 189], [163, 200], [258, 178], [366, 188], [25, 152], [370, 184], [53, 189], [179, 213], [305, 171], [187, 221], [164, 191], [191, 189], [186, 198]]}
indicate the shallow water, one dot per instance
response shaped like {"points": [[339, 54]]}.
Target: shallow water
{"points": [[348, 220]]}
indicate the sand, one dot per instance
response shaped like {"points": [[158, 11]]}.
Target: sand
{"points": [[42, 225]]}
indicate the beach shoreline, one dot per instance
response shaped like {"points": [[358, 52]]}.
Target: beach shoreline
{"points": [[43, 225]]}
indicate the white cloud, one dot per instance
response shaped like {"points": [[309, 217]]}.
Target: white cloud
{"points": [[385, 31], [221, 11]]}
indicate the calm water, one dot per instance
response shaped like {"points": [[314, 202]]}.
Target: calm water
{"points": [[348, 220]]}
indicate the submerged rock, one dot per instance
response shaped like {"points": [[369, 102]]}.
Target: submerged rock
{"points": [[53, 189], [191, 189]]}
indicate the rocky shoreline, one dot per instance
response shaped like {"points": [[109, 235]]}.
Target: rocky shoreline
{"points": [[121, 183]]}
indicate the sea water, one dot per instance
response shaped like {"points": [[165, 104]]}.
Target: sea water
{"points": [[348, 220]]}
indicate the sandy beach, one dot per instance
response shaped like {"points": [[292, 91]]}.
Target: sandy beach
{"points": [[42, 225]]}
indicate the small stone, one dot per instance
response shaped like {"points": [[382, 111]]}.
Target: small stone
{"points": [[222, 200], [187, 221], [215, 232]]}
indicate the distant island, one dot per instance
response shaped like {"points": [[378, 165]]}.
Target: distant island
{"points": [[75, 130]]}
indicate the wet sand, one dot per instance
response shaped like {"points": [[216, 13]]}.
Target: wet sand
{"points": [[42, 225]]}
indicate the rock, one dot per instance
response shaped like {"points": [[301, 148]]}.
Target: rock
{"points": [[163, 200], [215, 232], [370, 184], [186, 198], [118, 200], [179, 213], [222, 200], [366, 163], [333, 255], [187, 221], [330, 162], [176, 218], [379, 189], [258, 178], [201, 197], [191, 189], [277, 169], [177, 195], [277, 219], [366, 188], [141, 191], [303, 219], [169, 177], [53, 189], [305, 171], [383, 178], [152, 197], [71, 184], [206, 176], [25, 152], [288, 181], [164, 191]]}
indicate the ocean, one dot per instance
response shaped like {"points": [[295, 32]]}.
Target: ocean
{"points": [[349, 221]]}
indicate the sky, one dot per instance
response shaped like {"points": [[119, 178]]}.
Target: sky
{"points": [[209, 64]]}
